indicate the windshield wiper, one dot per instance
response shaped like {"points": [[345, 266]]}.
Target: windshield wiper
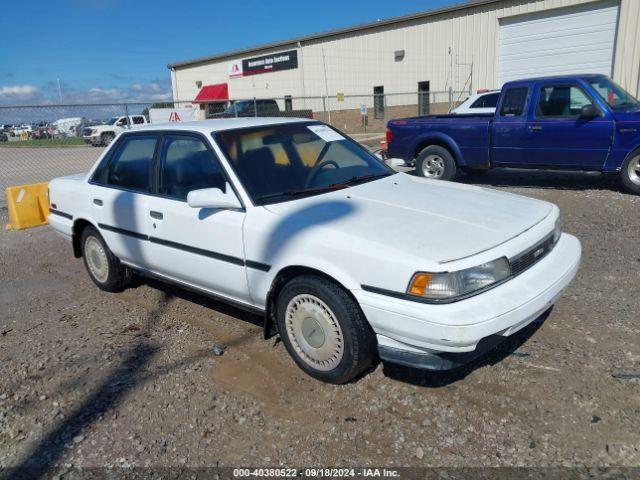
{"points": [[300, 192], [363, 178]]}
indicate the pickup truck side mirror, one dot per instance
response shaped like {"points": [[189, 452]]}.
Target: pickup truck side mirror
{"points": [[213, 198], [589, 111]]}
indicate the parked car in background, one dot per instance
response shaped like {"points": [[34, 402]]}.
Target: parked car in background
{"points": [[291, 219], [259, 108], [4, 137], [573, 122], [484, 101], [102, 135], [43, 132], [68, 126], [24, 129]]}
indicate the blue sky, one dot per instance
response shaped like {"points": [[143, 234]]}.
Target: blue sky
{"points": [[118, 50]]}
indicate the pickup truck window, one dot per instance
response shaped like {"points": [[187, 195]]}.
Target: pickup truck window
{"points": [[561, 101], [513, 102], [186, 165], [131, 164], [612, 93]]}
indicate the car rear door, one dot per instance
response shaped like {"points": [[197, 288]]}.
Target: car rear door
{"points": [[556, 135], [508, 126], [201, 247], [120, 189]]}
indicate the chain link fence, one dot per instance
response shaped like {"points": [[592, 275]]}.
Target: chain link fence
{"points": [[38, 143]]}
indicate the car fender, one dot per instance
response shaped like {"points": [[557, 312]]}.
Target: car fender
{"points": [[437, 138]]}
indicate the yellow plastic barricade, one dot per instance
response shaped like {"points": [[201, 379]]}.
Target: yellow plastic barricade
{"points": [[28, 206]]}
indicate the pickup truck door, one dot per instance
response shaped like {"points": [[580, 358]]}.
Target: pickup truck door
{"points": [[508, 128], [557, 136], [200, 247], [120, 190]]}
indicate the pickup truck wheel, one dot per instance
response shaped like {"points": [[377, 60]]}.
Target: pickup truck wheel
{"points": [[104, 268], [630, 173], [107, 138], [324, 330], [436, 162]]}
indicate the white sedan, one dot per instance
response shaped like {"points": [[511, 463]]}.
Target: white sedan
{"points": [[484, 101], [346, 259]]}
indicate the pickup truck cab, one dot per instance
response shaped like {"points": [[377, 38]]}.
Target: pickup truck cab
{"points": [[576, 122], [291, 219], [104, 134]]}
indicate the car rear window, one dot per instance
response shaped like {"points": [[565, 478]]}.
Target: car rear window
{"points": [[487, 101], [514, 102]]}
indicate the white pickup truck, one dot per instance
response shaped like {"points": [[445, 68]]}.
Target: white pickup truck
{"points": [[103, 135], [347, 259]]}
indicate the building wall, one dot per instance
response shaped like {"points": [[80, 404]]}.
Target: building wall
{"points": [[353, 63]]}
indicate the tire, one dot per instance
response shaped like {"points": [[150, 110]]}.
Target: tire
{"points": [[436, 162], [630, 173], [103, 267], [107, 138], [324, 330]]}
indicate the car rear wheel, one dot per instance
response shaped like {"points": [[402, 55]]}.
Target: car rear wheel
{"points": [[324, 330], [630, 173], [104, 268], [436, 162]]}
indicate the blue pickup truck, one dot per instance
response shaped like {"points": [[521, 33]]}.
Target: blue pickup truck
{"points": [[577, 122]]}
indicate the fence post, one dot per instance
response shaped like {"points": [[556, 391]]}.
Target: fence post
{"points": [[126, 112], [255, 107], [329, 109], [450, 99], [235, 109]]}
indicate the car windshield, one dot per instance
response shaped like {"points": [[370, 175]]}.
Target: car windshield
{"points": [[612, 93], [278, 162]]}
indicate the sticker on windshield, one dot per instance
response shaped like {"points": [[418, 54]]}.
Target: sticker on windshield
{"points": [[325, 133]]}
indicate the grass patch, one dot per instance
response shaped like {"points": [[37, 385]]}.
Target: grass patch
{"points": [[44, 143]]}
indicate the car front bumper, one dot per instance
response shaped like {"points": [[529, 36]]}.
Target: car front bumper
{"points": [[93, 139], [446, 336]]}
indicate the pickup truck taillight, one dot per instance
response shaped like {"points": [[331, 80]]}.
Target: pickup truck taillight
{"points": [[388, 136]]}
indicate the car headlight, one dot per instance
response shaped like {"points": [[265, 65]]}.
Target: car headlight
{"points": [[452, 285], [557, 230]]}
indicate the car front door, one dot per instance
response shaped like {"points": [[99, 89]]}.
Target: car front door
{"points": [[201, 247], [558, 136], [120, 194]]}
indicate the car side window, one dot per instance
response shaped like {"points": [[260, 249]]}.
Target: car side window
{"points": [[130, 166], [514, 102], [187, 164], [487, 101], [561, 101]]}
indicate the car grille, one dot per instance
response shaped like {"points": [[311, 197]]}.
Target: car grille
{"points": [[530, 257]]}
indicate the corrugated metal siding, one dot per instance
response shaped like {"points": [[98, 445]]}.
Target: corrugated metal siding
{"points": [[356, 62]]}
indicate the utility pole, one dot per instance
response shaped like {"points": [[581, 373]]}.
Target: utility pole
{"points": [[59, 91]]}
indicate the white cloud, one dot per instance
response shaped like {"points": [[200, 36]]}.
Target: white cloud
{"points": [[19, 90]]}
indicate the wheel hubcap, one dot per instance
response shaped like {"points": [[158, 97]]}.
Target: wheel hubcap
{"points": [[314, 332], [633, 170], [96, 259], [433, 166]]}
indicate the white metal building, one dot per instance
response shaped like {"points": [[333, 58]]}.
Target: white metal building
{"points": [[478, 44]]}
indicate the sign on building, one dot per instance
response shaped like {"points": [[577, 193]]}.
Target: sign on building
{"points": [[167, 115], [264, 64]]}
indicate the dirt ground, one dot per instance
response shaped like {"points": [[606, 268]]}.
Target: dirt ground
{"points": [[90, 379]]}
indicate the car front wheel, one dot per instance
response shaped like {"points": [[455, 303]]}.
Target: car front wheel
{"points": [[324, 330], [630, 174], [104, 267]]}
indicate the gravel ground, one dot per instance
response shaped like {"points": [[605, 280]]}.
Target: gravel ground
{"points": [[91, 379]]}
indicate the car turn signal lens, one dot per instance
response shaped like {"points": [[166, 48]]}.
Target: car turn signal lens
{"points": [[419, 283]]}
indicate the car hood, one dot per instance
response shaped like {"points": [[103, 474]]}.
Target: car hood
{"points": [[437, 220]]}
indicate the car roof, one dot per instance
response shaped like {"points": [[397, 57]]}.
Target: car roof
{"points": [[574, 76], [218, 124]]}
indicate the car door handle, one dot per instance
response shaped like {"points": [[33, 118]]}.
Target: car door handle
{"points": [[156, 215], [97, 201], [535, 128]]}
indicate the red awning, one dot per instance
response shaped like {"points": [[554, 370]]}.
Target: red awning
{"points": [[213, 93]]}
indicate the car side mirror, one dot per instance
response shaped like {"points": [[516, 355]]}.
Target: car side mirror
{"points": [[589, 111], [213, 198]]}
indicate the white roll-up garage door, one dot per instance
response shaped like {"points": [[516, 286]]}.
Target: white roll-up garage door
{"points": [[557, 42]]}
